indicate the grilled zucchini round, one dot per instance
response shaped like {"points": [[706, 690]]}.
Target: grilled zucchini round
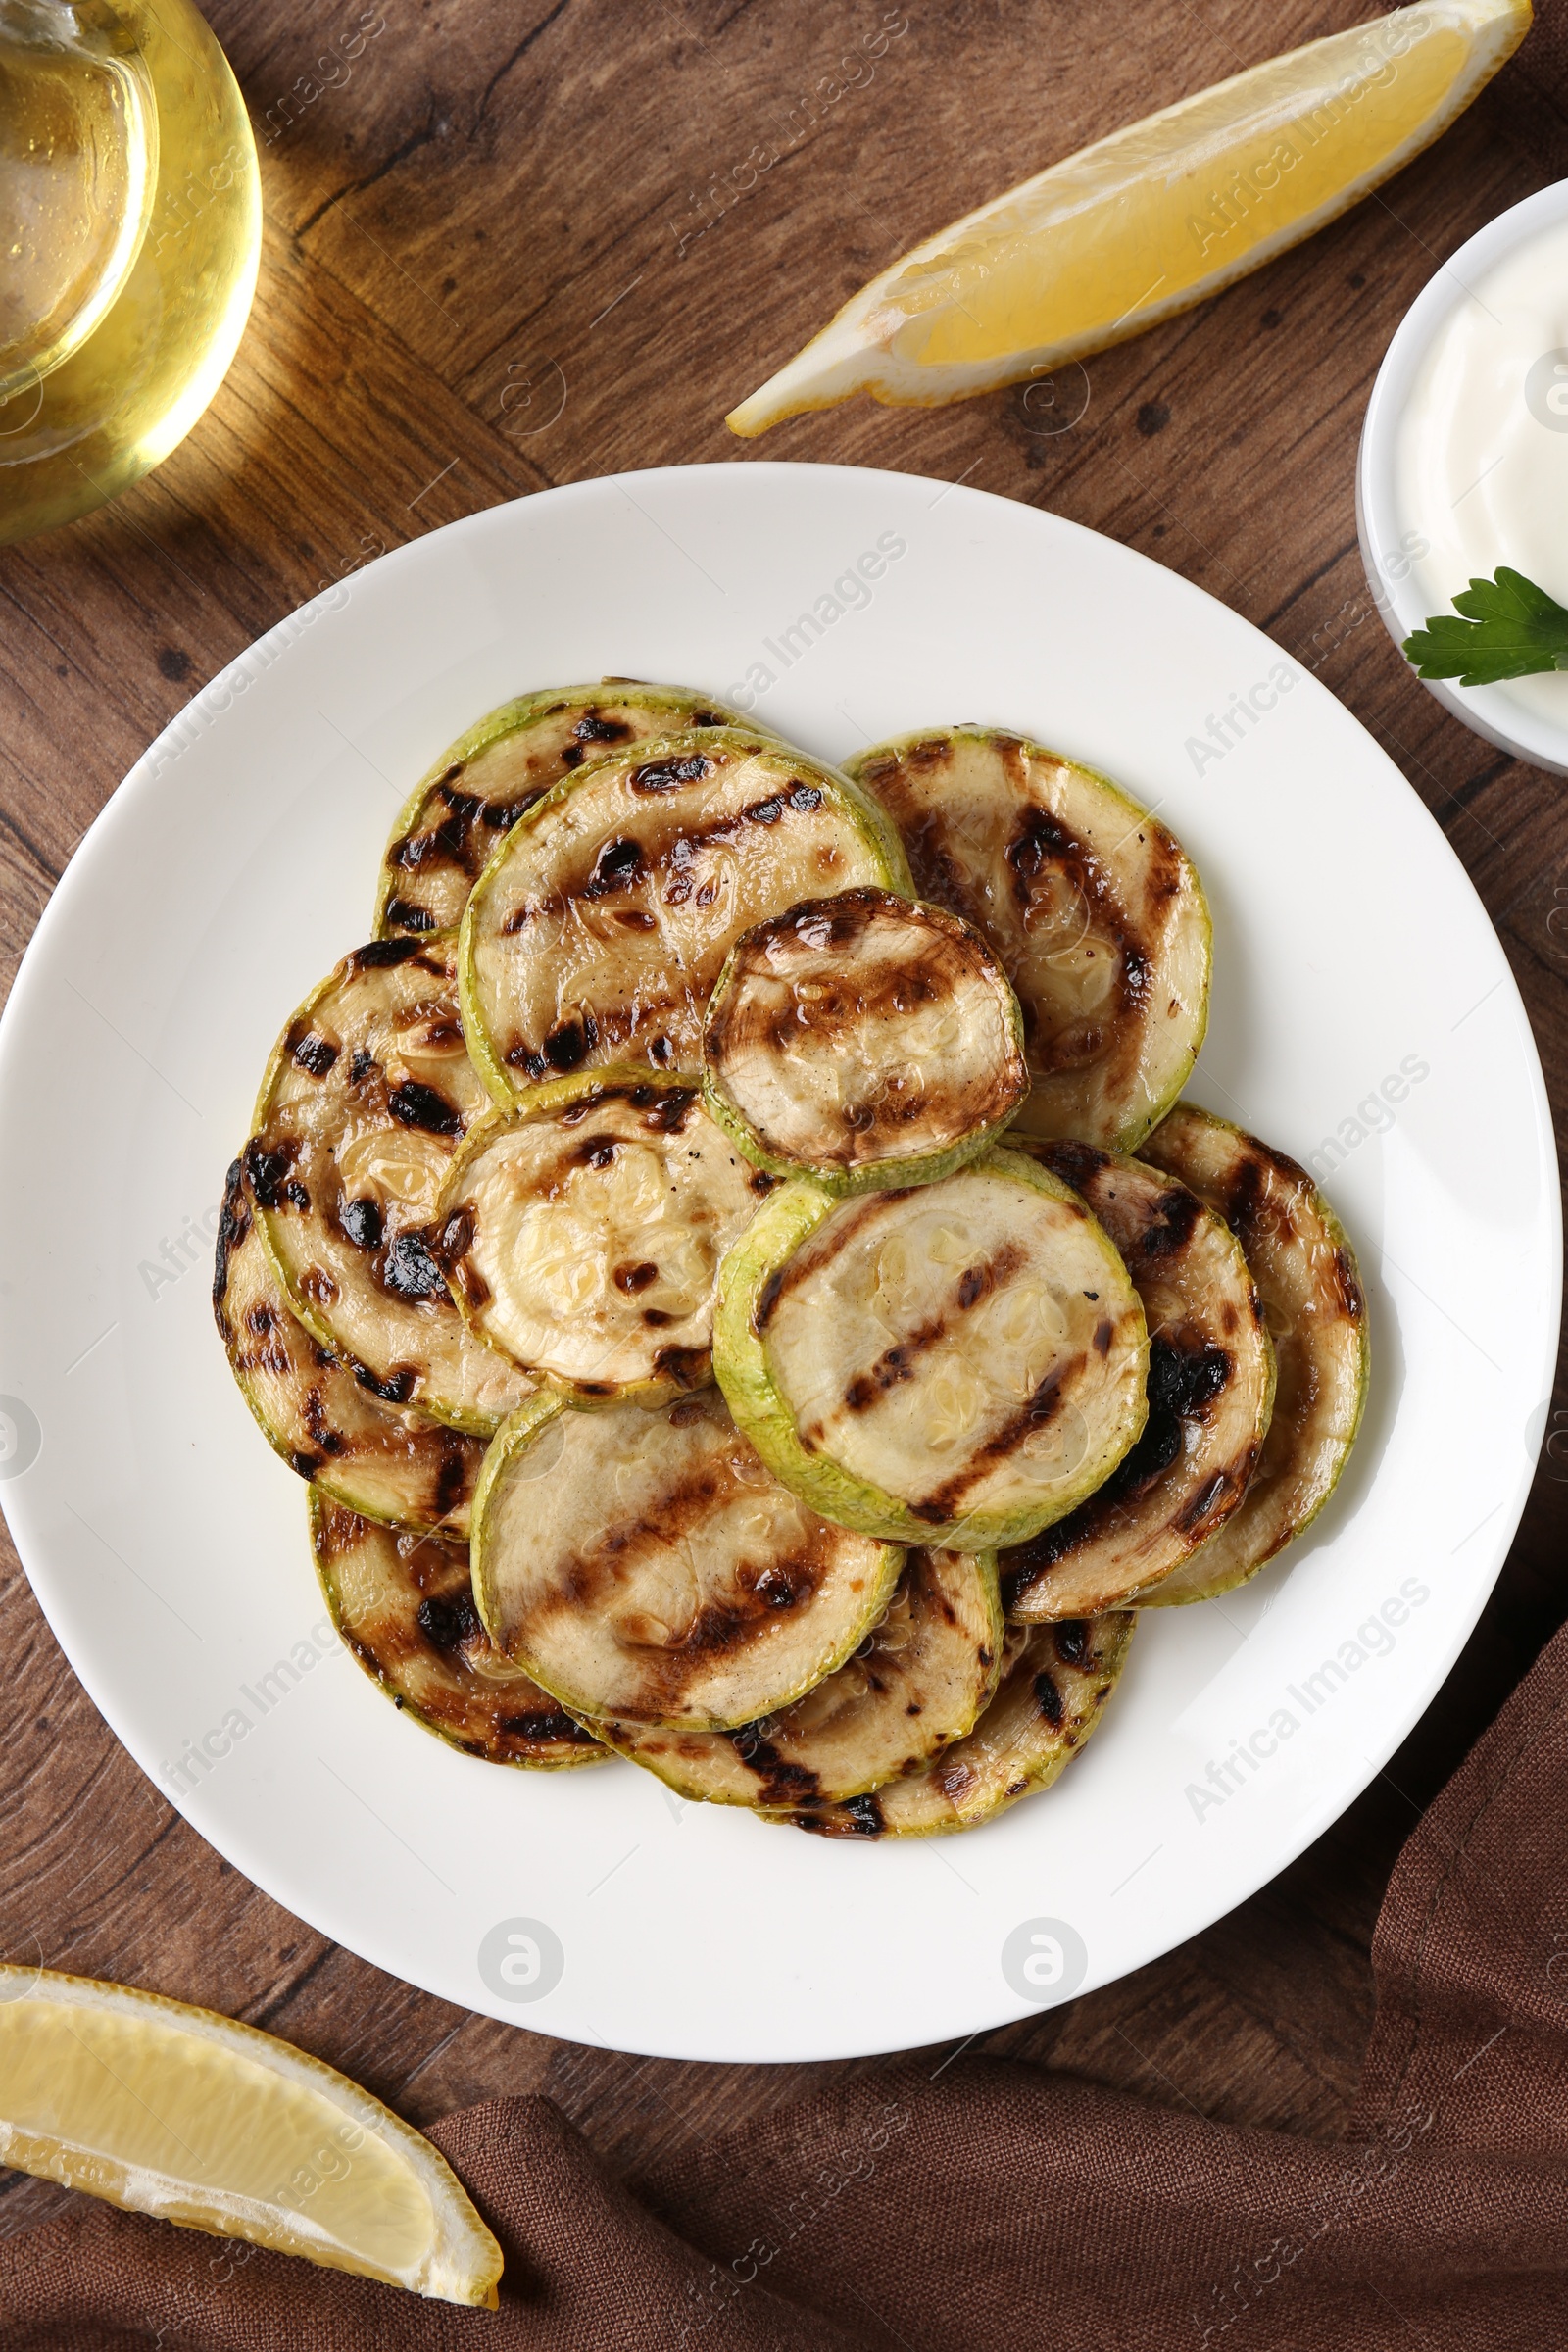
{"points": [[1093, 907], [376, 1461], [645, 1566], [864, 1041], [957, 1364], [458, 815], [598, 929], [583, 1232], [364, 1101], [1056, 1680], [914, 1686], [404, 1606], [1210, 1393], [1315, 1309]]}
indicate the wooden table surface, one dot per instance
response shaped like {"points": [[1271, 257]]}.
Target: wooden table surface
{"points": [[517, 245]]}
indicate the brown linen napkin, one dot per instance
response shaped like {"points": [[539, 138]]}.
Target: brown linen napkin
{"points": [[1002, 2208]]}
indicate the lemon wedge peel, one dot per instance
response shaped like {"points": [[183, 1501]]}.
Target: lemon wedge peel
{"points": [[193, 2117], [1153, 220]]}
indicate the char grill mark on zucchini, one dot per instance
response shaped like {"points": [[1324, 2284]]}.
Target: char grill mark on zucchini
{"points": [[916, 1684], [1056, 1680], [597, 931], [1210, 1393], [381, 1463], [460, 812], [583, 1232], [643, 1565], [958, 1363], [363, 1104], [1092, 905], [1315, 1309], [862, 1040], [404, 1605]]}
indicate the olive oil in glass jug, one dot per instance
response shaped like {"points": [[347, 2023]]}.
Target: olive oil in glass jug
{"points": [[130, 226]]}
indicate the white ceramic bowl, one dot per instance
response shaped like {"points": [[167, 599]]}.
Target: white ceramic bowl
{"points": [[1508, 715]]}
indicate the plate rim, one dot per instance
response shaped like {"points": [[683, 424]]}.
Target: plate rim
{"points": [[1395, 1724]]}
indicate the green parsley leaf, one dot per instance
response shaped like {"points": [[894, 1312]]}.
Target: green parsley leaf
{"points": [[1510, 630]]}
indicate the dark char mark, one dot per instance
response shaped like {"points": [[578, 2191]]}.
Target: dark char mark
{"points": [[1077, 1164], [397, 1388], [544, 1727], [1182, 1385], [409, 1270], [856, 1817], [663, 775], [618, 865], [451, 1477], [360, 1223], [450, 1625], [782, 1784], [415, 1104], [1171, 1227], [1048, 1699], [1072, 1639], [381, 953], [234, 1224], [1040, 1410], [407, 917], [315, 1054], [266, 1170]]}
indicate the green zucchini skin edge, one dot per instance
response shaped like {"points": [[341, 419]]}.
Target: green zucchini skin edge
{"points": [[740, 1366], [871, 820], [514, 1434], [519, 1431], [405, 1705], [510, 718], [1155, 1596], [537, 1102], [888, 1175]]}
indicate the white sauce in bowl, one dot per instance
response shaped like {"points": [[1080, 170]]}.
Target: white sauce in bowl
{"points": [[1481, 454]]}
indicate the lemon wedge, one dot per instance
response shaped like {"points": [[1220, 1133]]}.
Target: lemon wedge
{"points": [[180, 2112], [1153, 220]]}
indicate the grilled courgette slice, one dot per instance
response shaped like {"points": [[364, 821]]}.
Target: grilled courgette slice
{"points": [[864, 1041], [644, 1565], [1316, 1308], [583, 1232], [957, 1364], [366, 1100], [1210, 1393], [598, 929], [1056, 1680], [458, 815], [404, 1605], [376, 1461], [1093, 907], [916, 1684]]}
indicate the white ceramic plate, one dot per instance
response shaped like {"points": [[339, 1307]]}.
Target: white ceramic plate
{"points": [[1527, 717], [1360, 995]]}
